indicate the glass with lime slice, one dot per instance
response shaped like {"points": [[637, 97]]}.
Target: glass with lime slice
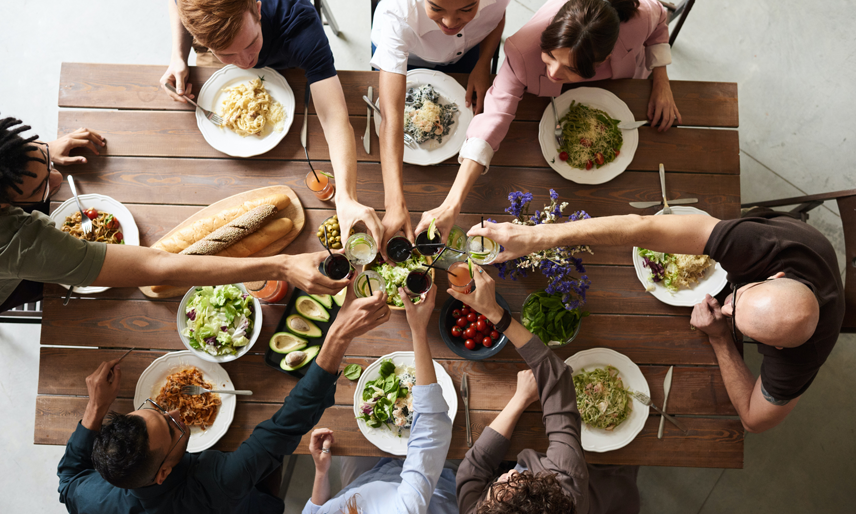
{"points": [[483, 250], [361, 249], [368, 283]]}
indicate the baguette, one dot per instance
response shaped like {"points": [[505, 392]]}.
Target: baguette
{"points": [[232, 232], [197, 230], [266, 235]]}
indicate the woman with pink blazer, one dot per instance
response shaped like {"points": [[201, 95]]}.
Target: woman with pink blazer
{"points": [[565, 42]]}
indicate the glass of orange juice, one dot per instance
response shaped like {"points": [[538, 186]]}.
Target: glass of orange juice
{"points": [[321, 185], [460, 279]]}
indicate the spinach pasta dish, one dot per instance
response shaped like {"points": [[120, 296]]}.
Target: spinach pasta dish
{"points": [[591, 137], [425, 117], [601, 397]]}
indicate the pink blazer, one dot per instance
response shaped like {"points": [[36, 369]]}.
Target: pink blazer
{"points": [[642, 43]]}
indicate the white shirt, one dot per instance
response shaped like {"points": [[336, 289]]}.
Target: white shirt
{"points": [[402, 33]]}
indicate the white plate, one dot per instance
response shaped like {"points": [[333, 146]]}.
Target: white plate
{"points": [[599, 440], [599, 99], [154, 377], [100, 203], [430, 152], [181, 323], [211, 97], [715, 278], [384, 438]]}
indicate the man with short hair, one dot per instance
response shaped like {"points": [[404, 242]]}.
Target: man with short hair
{"points": [[279, 34], [785, 279], [137, 462]]}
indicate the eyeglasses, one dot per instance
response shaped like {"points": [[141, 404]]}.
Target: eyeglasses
{"points": [[169, 418], [734, 289], [46, 183]]}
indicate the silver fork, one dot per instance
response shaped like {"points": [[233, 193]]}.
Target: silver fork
{"points": [[210, 116], [666, 208], [557, 130], [408, 139], [85, 222], [195, 390], [644, 399]]}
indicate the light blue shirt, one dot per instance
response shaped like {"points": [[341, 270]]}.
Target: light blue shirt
{"points": [[418, 484]]}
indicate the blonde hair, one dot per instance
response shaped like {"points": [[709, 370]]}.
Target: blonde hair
{"points": [[351, 507], [215, 23]]}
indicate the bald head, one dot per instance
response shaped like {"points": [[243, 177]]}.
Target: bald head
{"points": [[781, 312]]}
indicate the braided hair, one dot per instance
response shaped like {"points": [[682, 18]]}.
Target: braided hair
{"points": [[14, 156]]}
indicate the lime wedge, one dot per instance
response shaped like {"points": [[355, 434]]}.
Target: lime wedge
{"points": [[470, 266], [328, 175], [432, 229]]}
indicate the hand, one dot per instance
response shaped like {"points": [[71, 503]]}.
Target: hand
{"points": [[478, 83], [177, 75], [350, 212], [359, 315], [301, 270], [445, 216], [80, 138], [102, 386], [516, 240], [661, 105], [707, 317], [395, 220], [527, 387], [322, 438], [419, 314], [483, 299]]}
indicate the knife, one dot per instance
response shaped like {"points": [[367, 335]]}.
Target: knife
{"points": [[305, 128], [367, 139], [630, 125], [465, 394], [679, 201], [667, 386]]}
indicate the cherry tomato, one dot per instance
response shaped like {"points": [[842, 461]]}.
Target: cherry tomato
{"points": [[494, 335], [456, 313], [616, 152], [471, 317], [481, 326], [112, 224], [487, 342], [120, 236], [598, 157], [465, 311], [456, 331], [91, 213], [466, 306], [589, 165], [461, 322], [470, 333], [585, 142], [470, 344], [482, 317], [563, 156]]}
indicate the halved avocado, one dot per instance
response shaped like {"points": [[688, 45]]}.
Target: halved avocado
{"points": [[339, 297], [324, 299], [294, 358], [302, 326], [283, 342], [309, 308]]}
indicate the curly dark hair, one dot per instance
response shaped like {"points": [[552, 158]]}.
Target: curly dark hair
{"points": [[14, 156], [121, 452], [528, 493]]}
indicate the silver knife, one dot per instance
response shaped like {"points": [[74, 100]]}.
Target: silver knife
{"points": [[679, 201], [667, 386], [465, 395], [557, 130], [367, 139], [304, 130], [630, 125]]}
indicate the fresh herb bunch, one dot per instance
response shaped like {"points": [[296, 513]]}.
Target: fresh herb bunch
{"points": [[558, 264], [545, 316]]}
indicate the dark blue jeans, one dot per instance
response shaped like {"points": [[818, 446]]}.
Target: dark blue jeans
{"points": [[464, 65]]}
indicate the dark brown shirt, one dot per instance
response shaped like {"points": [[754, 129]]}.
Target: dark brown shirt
{"points": [[755, 248]]}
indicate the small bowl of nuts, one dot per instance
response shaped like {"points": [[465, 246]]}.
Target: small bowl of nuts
{"points": [[333, 235]]}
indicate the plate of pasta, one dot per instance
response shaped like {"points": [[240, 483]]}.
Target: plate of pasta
{"points": [[112, 223], [257, 107], [595, 150], [209, 415]]}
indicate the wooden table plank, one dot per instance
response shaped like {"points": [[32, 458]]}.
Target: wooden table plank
{"points": [[124, 86], [175, 134], [711, 442]]}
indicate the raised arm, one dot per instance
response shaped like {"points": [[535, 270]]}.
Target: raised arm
{"points": [[393, 87], [479, 79], [671, 234], [178, 71]]}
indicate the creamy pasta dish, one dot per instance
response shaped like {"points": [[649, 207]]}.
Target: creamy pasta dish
{"points": [[249, 108]]}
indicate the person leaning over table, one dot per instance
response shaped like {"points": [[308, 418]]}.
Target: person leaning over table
{"points": [[34, 251], [450, 36], [565, 42], [558, 481], [418, 484], [279, 34], [783, 273], [138, 462]]}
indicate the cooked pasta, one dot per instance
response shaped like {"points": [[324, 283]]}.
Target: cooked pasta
{"points": [[105, 228], [602, 399], [592, 137], [425, 117], [196, 411], [248, 108]]}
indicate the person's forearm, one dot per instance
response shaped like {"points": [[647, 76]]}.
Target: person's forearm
{"points": [[516, 332], [509, 416], [93, 416], [181, 38], [488, 45], [468, 174], [320, 489], [738, 380], [393, 87], [659, 75], [424, 364], [332, 110], [333, 350]]}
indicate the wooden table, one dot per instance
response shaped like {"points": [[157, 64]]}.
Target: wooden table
{"points": [[160, 167]]}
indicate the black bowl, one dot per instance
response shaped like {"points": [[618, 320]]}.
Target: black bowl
{"points": [[456, 344]]}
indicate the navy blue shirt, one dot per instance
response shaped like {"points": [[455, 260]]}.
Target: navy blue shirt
{"points": [[293, 37]]}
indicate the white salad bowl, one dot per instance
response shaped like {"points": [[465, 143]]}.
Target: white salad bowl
{"points": [[181, 324]]}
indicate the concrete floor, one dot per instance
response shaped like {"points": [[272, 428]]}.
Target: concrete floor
{"points": [[794, 64]]}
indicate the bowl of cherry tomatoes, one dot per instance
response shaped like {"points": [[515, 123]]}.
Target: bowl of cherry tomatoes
{"points": [[469, 333]]}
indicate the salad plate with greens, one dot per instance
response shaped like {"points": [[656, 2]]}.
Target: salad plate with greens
{"points": [[219, 323], [383, 400], [394, 275]]}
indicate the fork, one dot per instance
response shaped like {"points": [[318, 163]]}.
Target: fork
{"points": [[408, 139], [644, 399], [195, 390], [666, 208], [85, 222], [210, 116], [557, 130]]}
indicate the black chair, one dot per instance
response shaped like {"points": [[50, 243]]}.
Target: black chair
{"points": [[325, 13], [27, 313], [847, 206], [680, 9]]}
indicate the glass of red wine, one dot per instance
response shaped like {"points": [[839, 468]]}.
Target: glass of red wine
{"points": [[428, 246], [418, 282], [337, 267], [399, 249]]}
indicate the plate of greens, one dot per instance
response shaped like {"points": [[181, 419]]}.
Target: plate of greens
{"points": [[545, 315], [219, 324], [611, 419], [394, 275], [383, 400]]}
